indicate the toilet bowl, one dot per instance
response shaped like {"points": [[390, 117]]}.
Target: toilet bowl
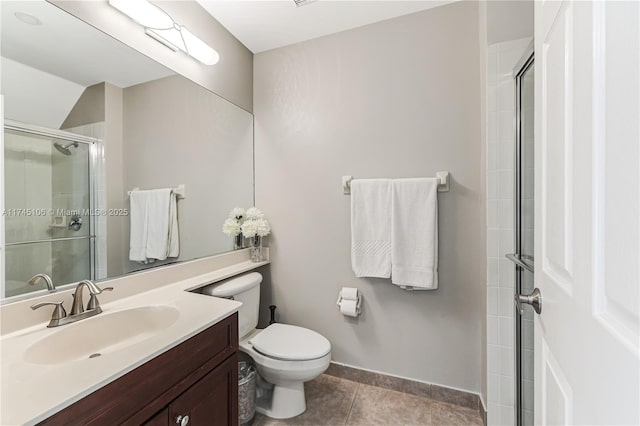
{"points": [[285, 356], [287, 366]]}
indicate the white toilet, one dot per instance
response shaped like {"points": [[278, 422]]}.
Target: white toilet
{"points": [[286, 356]]}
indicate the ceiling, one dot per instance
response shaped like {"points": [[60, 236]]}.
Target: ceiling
{"points": [[69, 48], [267, 24]]}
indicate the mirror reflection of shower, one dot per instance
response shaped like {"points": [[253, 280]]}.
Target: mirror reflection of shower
{"points": [[48, 200], [64, 149]]}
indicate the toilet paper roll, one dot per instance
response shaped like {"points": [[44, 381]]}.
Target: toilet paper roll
{"points": [[349, 308], [349, 293]]}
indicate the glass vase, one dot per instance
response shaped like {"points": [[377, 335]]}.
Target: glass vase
{"points": [[238, 242], [256, 249]]}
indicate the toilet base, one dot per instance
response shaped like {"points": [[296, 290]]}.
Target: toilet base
{"points": [[286, 401]]}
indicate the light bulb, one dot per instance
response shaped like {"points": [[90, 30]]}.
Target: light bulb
{"points": [[199, 49], [144, 13]]}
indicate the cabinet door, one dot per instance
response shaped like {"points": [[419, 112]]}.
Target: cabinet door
{"points": [[212, 401], [160, 419]]}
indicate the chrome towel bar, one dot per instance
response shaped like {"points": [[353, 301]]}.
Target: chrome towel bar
{"points": [[180, 191], [443, 182]]}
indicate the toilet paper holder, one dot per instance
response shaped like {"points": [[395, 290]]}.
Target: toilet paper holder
{"points": [[358, 302]]}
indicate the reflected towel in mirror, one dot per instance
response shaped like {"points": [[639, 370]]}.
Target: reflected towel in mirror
{"points": [[154, 231]]}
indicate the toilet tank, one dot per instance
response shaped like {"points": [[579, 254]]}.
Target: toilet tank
{"points": [[245, 289]]}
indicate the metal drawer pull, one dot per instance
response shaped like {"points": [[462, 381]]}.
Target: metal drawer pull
{"points": [[182, 420]]}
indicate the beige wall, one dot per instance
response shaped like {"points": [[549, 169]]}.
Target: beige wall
{"points": [[398, 98], [89, 108], [509, 20], [116, 192], [231, 78]]}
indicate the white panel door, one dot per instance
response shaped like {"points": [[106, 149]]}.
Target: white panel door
{"points": [[2, 270], [587, 263]]}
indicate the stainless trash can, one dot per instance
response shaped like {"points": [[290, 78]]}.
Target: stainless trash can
{"points": [[246, 392]]}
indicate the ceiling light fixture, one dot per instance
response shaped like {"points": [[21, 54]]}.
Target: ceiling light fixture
{"points": [[302, 2], [161, 27]]}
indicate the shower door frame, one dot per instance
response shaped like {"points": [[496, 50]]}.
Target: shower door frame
{"points": [[525, 63], [93, 144]]}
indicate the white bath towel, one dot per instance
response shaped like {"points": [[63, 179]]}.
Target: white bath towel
{"points": [[138, 229], [371, 227], [414, 233], [173, 249], [154, 226]]}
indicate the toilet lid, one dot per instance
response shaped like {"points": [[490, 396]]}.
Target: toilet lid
{"points": [[289, 342]]}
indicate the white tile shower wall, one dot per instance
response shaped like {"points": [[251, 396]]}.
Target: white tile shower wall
{"points": [[502, 57], [70, 260], [28, 168]]}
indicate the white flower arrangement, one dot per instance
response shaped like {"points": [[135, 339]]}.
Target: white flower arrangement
{"points": [[255, 224], [238, 214], [264, 228], [254, 227], [254, 213], [250, 228], [257, 227], [232, 226]]}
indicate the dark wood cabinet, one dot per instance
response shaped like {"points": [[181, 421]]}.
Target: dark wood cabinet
{"points": [[198, 378], [160, 419], [208, 402]]}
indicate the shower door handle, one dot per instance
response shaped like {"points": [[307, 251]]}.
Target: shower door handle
{"points": [[521, 261], [534, 299], [75, 223]]}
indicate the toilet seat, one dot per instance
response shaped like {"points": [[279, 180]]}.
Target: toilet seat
{"points": [[290, 343]]}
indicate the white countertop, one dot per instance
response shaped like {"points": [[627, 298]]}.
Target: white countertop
{"points": [[32, 392]]}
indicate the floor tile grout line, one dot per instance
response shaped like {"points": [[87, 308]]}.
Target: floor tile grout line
{"points": [[260, 421], [353, 401]]}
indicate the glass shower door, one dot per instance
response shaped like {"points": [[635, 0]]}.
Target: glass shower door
{"points": [[524, 243], [523, 258], [47, 217]]}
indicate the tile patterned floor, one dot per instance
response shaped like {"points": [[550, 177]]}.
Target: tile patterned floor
{"points": [[333, 401]]}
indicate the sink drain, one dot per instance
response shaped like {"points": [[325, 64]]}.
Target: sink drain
{"points": [[96, 355]]}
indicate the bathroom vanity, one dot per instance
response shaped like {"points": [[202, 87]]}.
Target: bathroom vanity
{"points": [[158, 353], [194, 383]]}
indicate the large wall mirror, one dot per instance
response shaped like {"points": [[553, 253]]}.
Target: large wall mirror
{"points": [[88, 119]]}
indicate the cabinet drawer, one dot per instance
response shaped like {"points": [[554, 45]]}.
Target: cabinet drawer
{"points": [[141, 393]]}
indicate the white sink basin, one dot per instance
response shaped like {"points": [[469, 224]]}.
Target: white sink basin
{"points": [[103, 334]]}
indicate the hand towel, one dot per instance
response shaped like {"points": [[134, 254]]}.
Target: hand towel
{"points": [[158, 229], [371, 227], [154, 226], [173, 249], [414, 233], [138, 226]]}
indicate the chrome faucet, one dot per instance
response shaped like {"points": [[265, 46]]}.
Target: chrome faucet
{"points": [[46, 278], [94, 290], [59, 315]]}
